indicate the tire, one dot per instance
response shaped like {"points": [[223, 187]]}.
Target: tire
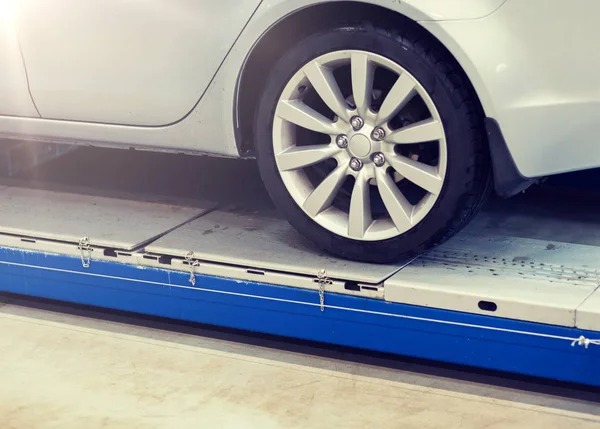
{"points": [[466, 177]]}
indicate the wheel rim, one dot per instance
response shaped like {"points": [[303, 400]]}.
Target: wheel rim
{"points": [[347, 114]]}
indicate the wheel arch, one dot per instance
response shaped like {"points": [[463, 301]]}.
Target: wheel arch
{"points": [[305, 21]]}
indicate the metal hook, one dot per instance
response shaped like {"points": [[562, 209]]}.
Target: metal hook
{"points": [[192, 262], [86, 251]]}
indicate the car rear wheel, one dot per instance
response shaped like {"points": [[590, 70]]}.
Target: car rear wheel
{"points": [[371, 144]]}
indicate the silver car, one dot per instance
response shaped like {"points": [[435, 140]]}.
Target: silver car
{"points": [[378, 126]]}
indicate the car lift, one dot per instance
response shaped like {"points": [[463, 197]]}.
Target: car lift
{"points": [[488, 298]]}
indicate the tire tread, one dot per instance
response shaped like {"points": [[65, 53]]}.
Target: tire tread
{"points": [[478, 189]]}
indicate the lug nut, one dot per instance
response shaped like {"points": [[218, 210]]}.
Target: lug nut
{"points": [[356, 122], [356, 164], [341, 141], [378, 159], [378, 134]]}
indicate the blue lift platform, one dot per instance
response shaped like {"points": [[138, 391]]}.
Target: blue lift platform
{"points": [[517, 291]]}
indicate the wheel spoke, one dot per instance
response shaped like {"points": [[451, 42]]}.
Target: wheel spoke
{"points": [[362, 82], [324, 194], [360, 217], [396, 204], [300, 114], [303, 156], [423, 175], [400, 94], [424, 131], [324, 83]]}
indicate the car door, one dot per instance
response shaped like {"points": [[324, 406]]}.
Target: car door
{"points": [[14, 94], [132, 62]]}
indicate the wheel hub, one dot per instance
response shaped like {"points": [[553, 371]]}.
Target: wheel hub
{"points": [[360, 146]]}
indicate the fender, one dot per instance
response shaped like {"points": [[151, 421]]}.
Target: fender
{"points": [[223, 123], [270, 12]]}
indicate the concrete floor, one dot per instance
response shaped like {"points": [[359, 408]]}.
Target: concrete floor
{"points": [[73, 367]]}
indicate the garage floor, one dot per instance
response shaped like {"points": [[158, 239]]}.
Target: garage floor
{"points": [[73, 367]]}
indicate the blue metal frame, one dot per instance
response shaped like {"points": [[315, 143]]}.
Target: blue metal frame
{"points": [[462, 338]]}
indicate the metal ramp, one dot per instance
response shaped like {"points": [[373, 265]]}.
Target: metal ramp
{"points": [[123, 224], [507, 277], [479, 271], [241, 265]]}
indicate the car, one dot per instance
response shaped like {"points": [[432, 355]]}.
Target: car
{"points": [[379, 127]]}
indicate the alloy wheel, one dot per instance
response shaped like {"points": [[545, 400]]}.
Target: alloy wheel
{"points": [[345, 126]]}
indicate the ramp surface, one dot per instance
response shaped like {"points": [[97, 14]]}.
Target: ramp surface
{"points": [[109, 222], [261, 239]]}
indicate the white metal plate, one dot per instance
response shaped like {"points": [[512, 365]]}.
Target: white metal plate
{"points": [[263, 241], [588, 313], [108, 222], [526, 279]]}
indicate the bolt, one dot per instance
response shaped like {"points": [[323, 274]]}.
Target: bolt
{"points": [[341, 141], [356, 122], [378, 159], [356, 164], [378, 134]]}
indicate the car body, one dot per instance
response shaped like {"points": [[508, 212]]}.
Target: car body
{"points": [[185, 75]]}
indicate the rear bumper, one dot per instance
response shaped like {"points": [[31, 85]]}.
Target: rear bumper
{"points": [[535, 73]]}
